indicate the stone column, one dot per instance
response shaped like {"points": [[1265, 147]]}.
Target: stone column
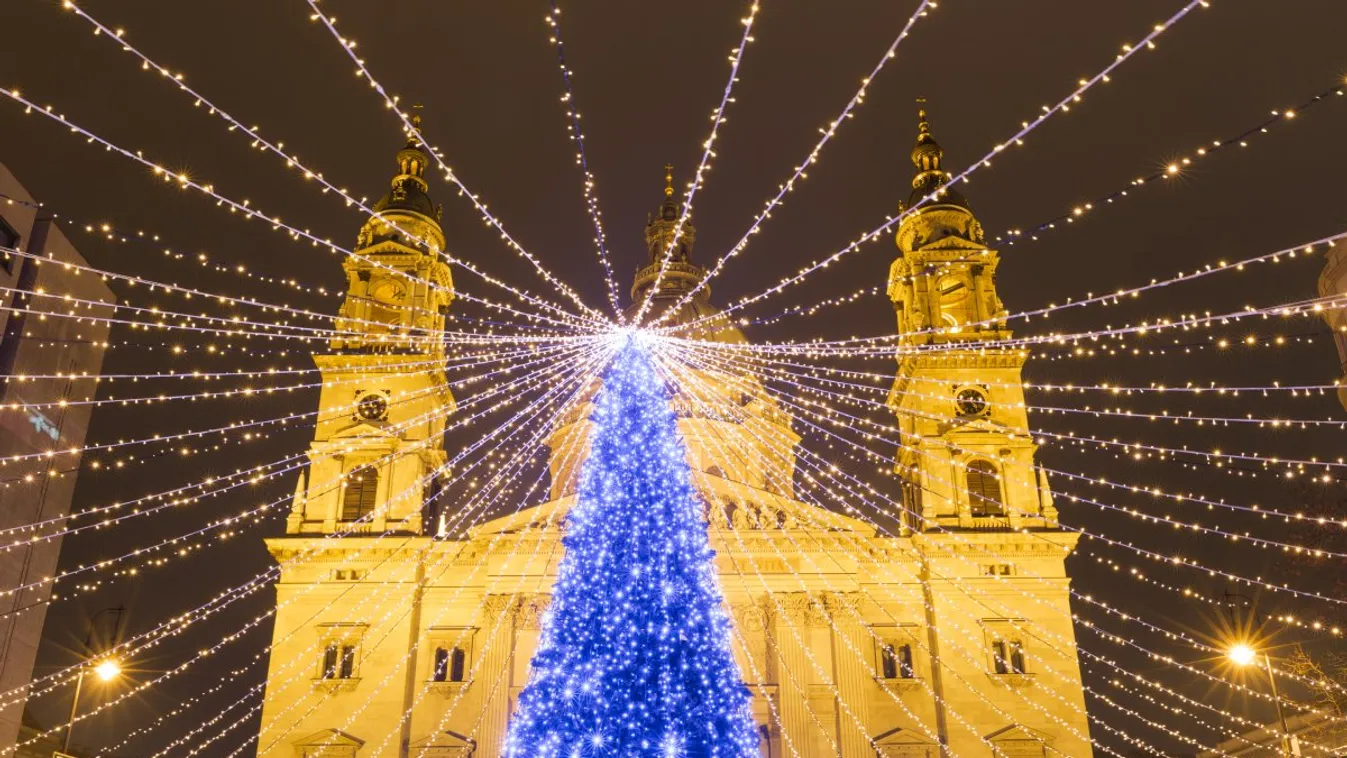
{"points": [[793, 673], [851, 643], [932, 302], [980, 312], [493, 676]]}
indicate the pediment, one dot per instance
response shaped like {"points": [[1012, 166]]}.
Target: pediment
{"points": [[952, 242], [550, 512], [901, 736], [1016, 741], [444, 743], [330, 738], [361, 429], [979, 426], [555, 511], [901, 742], [1018, 732]]}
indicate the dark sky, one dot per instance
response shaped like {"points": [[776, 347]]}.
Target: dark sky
{"points": [[647, 77]]}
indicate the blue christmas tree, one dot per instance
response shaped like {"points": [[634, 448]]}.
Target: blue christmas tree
{"points": [[634, 657]]}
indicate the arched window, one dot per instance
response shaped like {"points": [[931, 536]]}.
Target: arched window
{"points": [[984, 489], [358, 500], [954, 295]]}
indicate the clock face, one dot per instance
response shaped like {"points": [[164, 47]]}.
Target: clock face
{"points": [[970, 402], [372, 407]]}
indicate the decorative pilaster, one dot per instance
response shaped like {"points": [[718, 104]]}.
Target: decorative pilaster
{"points": [[853, 673], [789, 632], [498, 619]]}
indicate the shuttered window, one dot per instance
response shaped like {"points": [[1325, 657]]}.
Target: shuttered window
{"points": [[984, 490], [358, 500]]}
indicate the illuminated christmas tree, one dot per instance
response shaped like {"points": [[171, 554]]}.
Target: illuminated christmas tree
{"points": [[635, 656]]}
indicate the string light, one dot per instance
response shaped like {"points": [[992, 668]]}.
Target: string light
{"points": [[708, 152], [577, 135], [1017, 139], [828, 131], [411, 126], [1173, 167]]}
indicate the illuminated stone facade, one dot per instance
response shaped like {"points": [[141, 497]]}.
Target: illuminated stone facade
{"points": [[413, 645]]}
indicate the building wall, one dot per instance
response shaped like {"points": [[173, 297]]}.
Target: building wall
{"points": [[39, 489], [812, 608]]}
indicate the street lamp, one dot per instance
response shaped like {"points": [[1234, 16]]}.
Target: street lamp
{"points": [[106, 670], [1242, 654]]}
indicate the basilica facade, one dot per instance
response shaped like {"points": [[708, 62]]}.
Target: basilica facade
{"points": [[946, 633]]}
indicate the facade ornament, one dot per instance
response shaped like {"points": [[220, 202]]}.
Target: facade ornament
{"points": [[798, 608], [530, 610], [494, 606]]}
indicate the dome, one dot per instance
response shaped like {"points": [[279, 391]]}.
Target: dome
{"points": [[408, 195], [409, 187], [406, 214]]}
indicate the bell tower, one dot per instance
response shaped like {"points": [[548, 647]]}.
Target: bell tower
{"points": [[378, 445], [976, 504], [957, 393]]}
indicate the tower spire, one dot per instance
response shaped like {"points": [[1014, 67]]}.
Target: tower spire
{"points": [[927, 153], [414, 140], [667, 232]]}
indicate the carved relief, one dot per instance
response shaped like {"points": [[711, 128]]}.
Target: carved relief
{"points": [[529, 613], [798, 608], [495, 606]]}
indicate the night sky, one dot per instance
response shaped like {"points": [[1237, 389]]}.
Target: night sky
{"points": [[647, 76]]}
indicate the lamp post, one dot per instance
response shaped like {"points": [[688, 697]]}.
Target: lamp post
{"points": [[106, 670], [1242, 654]]}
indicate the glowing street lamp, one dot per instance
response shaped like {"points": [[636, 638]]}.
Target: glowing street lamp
{"points": [[1243, 654], [106, 670]]}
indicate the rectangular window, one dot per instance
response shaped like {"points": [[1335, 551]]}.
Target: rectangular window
{"points": [[440, 672], [450, 665], [330, 654], [456, 665], [338, 661], [361, 486], [1008, 656], [905, 669], [347, 661], [895, 661], [888, 662]]}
